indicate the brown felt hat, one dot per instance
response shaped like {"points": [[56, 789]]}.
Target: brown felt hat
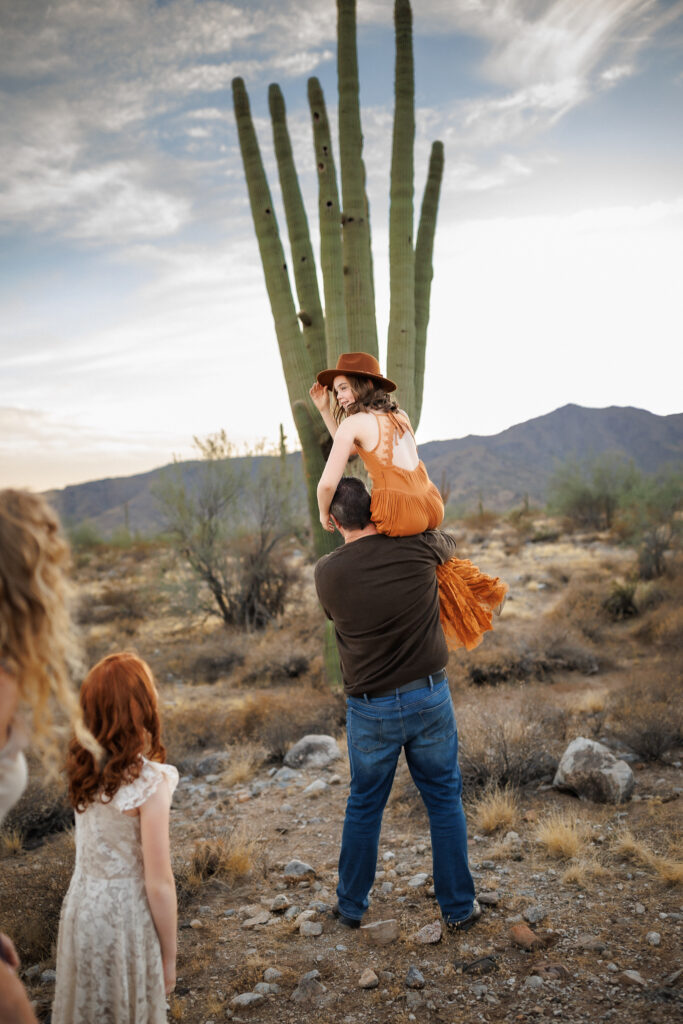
{"points": [[359, 364]]}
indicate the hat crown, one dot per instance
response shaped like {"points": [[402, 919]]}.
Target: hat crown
{"points": [[361, 363]]}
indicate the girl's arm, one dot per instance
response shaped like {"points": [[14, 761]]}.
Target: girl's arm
{"points": [[9, 698], [159, 881], [14, 1002], [344, 444], [320, 397]]}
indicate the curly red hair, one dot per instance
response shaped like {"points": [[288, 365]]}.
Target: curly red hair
{"points": [[120, 708]]}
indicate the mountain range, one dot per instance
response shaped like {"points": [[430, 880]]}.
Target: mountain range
{"points": [[500, 470]]}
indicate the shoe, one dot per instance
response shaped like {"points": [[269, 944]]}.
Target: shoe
{"points": [[348, 922], [467, 922]]}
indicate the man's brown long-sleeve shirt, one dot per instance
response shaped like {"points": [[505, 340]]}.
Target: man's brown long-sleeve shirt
{"points": [[382, 595]]}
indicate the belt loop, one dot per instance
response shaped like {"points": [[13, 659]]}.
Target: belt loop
{"points": [[431, 682], [366, 698]]}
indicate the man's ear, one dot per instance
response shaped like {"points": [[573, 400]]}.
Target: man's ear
{"points": [[336, 522]]}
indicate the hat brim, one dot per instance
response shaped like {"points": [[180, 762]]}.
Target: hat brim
{"points": [[326, 378]]}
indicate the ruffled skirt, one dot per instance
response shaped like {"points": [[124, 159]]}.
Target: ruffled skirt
{"points": [[467, 600]]}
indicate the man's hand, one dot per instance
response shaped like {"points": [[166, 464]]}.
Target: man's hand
{"points": [[9, 953], [326, 523], [320, 397]]}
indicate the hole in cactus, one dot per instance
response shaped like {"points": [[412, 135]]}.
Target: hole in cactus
{"points": [[267, 210], [325, 150], [303, 259], [316, 115], [328, 203], [321, 167], [349, 220]]}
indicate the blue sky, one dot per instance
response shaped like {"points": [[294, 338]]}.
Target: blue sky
{"points": [[134, 313]]}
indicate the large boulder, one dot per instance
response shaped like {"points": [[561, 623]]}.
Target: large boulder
{"points": [[592, 772], [313, 751]]}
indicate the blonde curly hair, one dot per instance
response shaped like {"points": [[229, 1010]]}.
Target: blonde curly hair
{"points": [[37, 640]]}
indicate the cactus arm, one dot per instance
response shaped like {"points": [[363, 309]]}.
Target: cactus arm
{"points": [[296, 362], [329, 213], [424, 250], [303, 260], [401, 334], [358, 277]]}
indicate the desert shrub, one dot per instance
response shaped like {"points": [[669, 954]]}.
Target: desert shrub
{"points": [[115, 603], [497, 750], [621, 601], [551, 649], [209, 668], [589, 493], [43, 809], [274, 720], [647, 714], [31, 900], [229, 525], [581, 607], [228, 857]]}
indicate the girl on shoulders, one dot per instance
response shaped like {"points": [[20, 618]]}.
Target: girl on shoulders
{"points": [[404, 500], [116, 950]]}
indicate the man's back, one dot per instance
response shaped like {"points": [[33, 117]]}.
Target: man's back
{"points": [[382, 594]]}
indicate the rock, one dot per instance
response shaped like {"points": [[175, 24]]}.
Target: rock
{"points": [[48, 977], [381, 933], [245, 999], [639, 909], [315, 788], [266, 988], [479, 990], [673, 979], [413, 1001], [523, 936], [513, 846], [555, 972], [280, 904], [310, 928], [653, 938], [414, 978], [534, 914], [592, 772], [196, 923], [309, 988], [632, 979], [532, 984], [32, 972], [418, 880], [387, 887], [297, 870], [262, 917], [286, 775], [488, 899], [305, 915], [313, 751], [368, 979], [292, 912], [271, 974], [591, 943], [482, 965], [429, 934]]}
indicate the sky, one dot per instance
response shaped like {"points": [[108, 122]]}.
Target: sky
{"points": [[133, 310]]}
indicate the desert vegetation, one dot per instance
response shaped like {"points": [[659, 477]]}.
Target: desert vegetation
{"points": [[563, 661]]}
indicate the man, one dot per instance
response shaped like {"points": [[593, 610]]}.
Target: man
{"points": [[382, 595]]}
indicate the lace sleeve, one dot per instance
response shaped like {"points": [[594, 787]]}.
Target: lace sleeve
{"points": [[136, 793]]}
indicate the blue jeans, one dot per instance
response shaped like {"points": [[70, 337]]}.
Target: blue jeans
{"points": [[423, 723]]}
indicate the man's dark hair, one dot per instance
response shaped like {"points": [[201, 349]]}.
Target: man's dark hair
{"points": [[351, 504]]}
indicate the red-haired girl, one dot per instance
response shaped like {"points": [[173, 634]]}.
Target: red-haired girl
{"points": [[116, 949], [368, 422]]}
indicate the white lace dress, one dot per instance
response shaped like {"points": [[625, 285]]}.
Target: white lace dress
{"points": [[108, 955]]}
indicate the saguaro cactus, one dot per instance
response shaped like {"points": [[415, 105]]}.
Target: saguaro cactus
{"points": [[310, 340]]}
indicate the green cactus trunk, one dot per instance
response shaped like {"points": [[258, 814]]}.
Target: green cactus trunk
{"points": [[424, 249], [329, 214], [358, 275], [401, 335]]}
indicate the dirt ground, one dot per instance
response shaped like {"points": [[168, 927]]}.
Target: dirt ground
{"points": [[608, 925]]}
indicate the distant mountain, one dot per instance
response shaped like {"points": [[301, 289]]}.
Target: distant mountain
{"points": [[501, 469]]}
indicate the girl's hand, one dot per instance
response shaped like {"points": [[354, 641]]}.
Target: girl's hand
{"points": [[320, 397], [327, 523], [169, 976]]}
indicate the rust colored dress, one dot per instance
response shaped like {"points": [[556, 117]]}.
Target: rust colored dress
{"points": [[406, 502]]}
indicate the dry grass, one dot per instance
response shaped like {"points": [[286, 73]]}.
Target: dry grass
{"points": [[229, 857], [496, 809], [667, 869], [11, 843], [583, 871], [561, 836], [244, 761], [590, 702]]}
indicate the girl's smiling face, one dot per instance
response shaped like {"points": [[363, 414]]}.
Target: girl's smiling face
{"points": [[343, 391]]}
